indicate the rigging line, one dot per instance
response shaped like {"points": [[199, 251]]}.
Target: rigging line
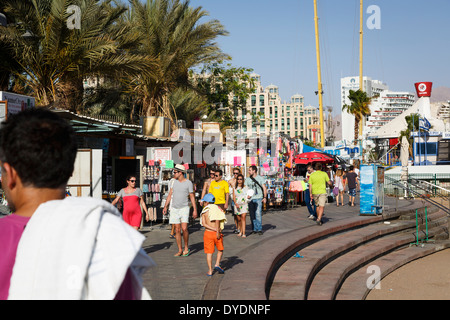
{"points": [[325, 48], [355, 24], [380, 54]]}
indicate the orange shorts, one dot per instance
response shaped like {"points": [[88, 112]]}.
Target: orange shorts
{"points": [[210, 240]]}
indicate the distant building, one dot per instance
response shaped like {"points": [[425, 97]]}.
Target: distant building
{"points": [[267, 113], [385, 105]]}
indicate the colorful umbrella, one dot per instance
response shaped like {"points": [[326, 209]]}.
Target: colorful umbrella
{"points": [[309, 157]]}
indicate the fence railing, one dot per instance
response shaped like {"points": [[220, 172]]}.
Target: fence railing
{"points": [[415, 189], [427, 184]]}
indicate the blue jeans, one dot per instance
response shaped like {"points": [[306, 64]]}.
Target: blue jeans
{"points": [[308, 204], [255, 210]]}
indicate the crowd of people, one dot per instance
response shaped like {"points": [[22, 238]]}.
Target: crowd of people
{"points": [[318, 177], [37, 155]]}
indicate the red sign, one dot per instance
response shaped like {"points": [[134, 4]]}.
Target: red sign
{"points": [[423, 89]]}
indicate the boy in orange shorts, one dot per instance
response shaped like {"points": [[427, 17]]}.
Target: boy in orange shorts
{"points": [[213, 219]]}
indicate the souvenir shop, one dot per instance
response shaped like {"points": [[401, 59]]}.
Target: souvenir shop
{"points": [[277, 166]]}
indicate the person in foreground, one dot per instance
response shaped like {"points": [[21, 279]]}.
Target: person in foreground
{"points": [[213, 219], [52, 246]]}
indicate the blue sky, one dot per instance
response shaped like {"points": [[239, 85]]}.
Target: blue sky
{"points": [[277, 40]]}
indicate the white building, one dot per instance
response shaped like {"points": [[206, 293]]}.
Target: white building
{"points": [[385, 105]]}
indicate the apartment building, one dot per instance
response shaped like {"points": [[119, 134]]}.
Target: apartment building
{"points": [[266, 113], [385, 105]]}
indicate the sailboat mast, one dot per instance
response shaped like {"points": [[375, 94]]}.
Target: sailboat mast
{"points": [[361, 87], [316, 21]]}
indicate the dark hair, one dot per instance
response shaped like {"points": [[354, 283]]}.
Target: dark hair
{"points": [[40, 146], [240, 175], [253, 167], [318, 166], [219, 171], [352, 168]]}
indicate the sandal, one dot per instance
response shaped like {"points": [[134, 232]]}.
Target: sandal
{"points": [[219, 269], [186, 254], [178, 254]]}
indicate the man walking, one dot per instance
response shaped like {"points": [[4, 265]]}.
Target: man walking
{"points": [[311, 207], [256, 183], [181, 192], [54, 247], [317, 190], [352, 182], [220, 189]]}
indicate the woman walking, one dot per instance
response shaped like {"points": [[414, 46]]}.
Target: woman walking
{"points": [[240, 199], [133, 200], [339, 183]]}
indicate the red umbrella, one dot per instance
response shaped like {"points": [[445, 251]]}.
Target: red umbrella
{"points": [[308, 157]]}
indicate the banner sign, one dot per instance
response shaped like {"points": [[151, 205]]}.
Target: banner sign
{"points": [[423, 89]]}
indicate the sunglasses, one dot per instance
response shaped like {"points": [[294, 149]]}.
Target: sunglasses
{"points": [[217, 175], [132, 181], [176, 172], [240, 179], [235, 172]]}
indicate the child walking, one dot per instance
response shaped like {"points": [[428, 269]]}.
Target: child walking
{"points": [[213, 219]]}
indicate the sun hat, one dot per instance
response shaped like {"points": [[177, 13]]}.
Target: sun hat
{"points": [[209, 198], [180, 167]]}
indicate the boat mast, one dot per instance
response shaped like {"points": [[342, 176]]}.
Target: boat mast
{"points": [[320, 92], [361, 87]]}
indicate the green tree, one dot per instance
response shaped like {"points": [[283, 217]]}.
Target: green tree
{"points": [[53, 60], [226, 89], [173, 35], [359, 107]]}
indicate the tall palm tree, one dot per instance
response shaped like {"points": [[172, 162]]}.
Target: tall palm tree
{"points": [[55, 59], [173, 36], [359, 107]]}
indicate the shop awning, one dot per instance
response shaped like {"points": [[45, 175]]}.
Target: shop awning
{"points": [[85, 124]]}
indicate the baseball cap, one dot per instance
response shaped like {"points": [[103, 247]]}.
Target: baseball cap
{"points": [[208, 198]]}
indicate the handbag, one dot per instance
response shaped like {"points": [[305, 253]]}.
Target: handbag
{"points": [[336, 191]]}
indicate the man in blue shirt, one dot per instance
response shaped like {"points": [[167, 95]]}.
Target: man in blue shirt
{"points": [[256, 183]]}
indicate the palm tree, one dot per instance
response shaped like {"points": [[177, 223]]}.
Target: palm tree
{"points": [[359, 107], [188, 105], [174, 37], [54, 60]]}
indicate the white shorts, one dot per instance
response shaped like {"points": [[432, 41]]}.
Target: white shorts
{"points": [[178, 216]]}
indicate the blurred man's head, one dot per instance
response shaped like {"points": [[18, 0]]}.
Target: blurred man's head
{"points": [[39, 147]]}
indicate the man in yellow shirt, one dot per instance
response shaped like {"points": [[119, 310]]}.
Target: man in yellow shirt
{"points": [[318, 190], [220, 190]]}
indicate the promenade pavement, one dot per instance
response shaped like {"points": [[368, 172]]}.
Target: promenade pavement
{"points": [[184, 278]]}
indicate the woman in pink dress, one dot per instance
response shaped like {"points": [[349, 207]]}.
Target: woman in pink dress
{"points": [[133, 200]]}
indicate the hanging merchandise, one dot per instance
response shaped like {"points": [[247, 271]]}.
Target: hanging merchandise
{"points": [[151, 189]]}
